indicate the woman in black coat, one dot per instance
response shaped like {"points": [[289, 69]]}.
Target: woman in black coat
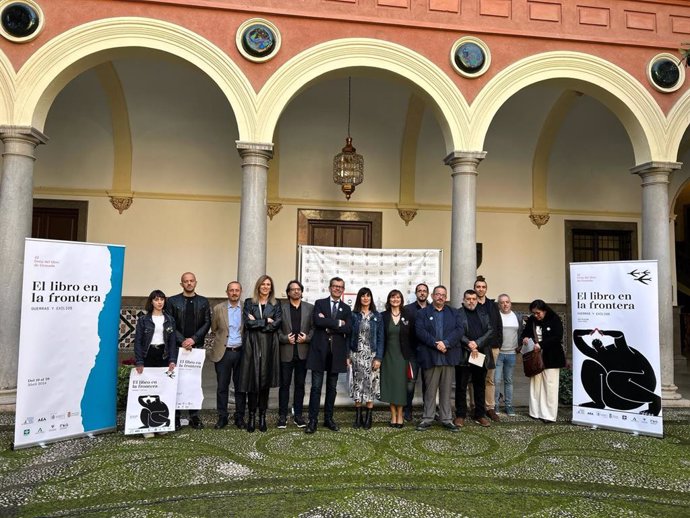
{"points": [[260, 365], [545, 329]]}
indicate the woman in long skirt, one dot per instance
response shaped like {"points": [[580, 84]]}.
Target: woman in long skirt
{"points": [[366, 352], [396, 357], [545, 329]]}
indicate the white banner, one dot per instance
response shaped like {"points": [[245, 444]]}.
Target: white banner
{"points": [[381, 270], [616, 361], [67, 375], [151, 401], [190, 395]]}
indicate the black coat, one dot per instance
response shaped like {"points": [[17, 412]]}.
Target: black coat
{"points": [[551, 339], [329, 336], [260, 364], [175, 306]]}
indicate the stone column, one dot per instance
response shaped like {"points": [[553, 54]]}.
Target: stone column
{"points": [[252, 250], [16, 206], [463, 240], [656, 244]]}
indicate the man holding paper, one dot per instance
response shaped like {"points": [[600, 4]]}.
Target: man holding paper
{"points": [[476, 335]]}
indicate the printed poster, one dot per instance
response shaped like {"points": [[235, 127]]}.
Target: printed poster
{"points": [[616, 358], [151, 401], [190, 363], [67, 374]]}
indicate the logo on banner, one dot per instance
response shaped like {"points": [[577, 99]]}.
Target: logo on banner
{"points": [[643, 277]]}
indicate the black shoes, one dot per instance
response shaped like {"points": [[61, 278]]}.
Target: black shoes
{"points": [[282, 422], [358, 417], [239, 421], [423, 426], [330, 424], [407, 414], [251, 423], [221, 423], [195, 422], [367, 419], [299, 421], [311, 427], [450, 426], [262, 421]]}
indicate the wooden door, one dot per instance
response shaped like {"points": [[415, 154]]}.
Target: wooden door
{"points": [[351, 229], [65, 221]]}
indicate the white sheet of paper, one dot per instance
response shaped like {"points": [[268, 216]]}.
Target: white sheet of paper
{"points": [[479, 360], [189, 366]]}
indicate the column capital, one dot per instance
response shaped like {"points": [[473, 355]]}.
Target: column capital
{"points": [[464, 162], [263, 149], [655, 172], [26, 133]]}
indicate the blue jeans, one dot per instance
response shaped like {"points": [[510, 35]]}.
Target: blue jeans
{"points": [[504, 373]]}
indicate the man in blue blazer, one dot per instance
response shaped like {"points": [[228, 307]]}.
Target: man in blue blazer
{"points": [[328, 352], [438, 352]]}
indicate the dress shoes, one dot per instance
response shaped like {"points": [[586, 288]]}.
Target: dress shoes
{"points": [[299, 421], [195, 422], [459, 422], [423, 426], [221, 423], [483, 421], [311, 427], [331, 425], [493, 415], [398, 425], [448, 425], [239, 421]]}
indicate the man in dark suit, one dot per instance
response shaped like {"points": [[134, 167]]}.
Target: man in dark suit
{"points": [[294, 336], [328, 351], [438, 351], [421, 292], [192, 315]]}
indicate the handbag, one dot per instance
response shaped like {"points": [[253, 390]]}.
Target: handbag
{"points": [[409, 371], [533, 363]]}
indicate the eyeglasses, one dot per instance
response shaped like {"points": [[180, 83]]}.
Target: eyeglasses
{"points": [[337, 287], [295, 289]]}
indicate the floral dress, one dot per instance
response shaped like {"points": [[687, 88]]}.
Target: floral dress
{"points": [[365, 384]]}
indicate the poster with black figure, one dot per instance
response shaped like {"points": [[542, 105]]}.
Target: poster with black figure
{"points": [[151, 401], [616, 357]]}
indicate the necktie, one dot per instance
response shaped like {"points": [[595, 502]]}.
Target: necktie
{"points": [[334, 313]]}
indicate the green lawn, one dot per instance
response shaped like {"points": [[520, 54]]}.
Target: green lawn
{"points": [[516, 468]]}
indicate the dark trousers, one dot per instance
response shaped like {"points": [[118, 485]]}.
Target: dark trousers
{"points": [[315, 394], [259, 399], [228, 369], [462, 378], [411, 383], [154, 357], [286, 369]]}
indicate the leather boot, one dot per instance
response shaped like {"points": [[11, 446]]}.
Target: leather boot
{"points": [[358, 417], [262, 421], [251, 423], [367, 419]]}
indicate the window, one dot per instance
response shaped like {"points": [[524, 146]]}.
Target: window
{"points": [[601, 245]]}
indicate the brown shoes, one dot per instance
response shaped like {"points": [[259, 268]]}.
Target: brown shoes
{"points": [[482, 421], [459, 422], [493, 415]]}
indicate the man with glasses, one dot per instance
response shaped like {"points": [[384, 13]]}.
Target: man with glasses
{"points": [[294, 337], [421, 293], [328, 352], [438, 334]]}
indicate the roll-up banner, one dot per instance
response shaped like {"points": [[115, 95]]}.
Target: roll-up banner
{"points": [[616, 358], [67, 375]]}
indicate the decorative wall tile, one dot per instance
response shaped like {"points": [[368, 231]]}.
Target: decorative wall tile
{"points": [[544, 12], [501, 8], [450, 6], [640, 20], [594, 16]]}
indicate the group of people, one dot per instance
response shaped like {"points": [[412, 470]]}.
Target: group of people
{"points": [[263, 343]]}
